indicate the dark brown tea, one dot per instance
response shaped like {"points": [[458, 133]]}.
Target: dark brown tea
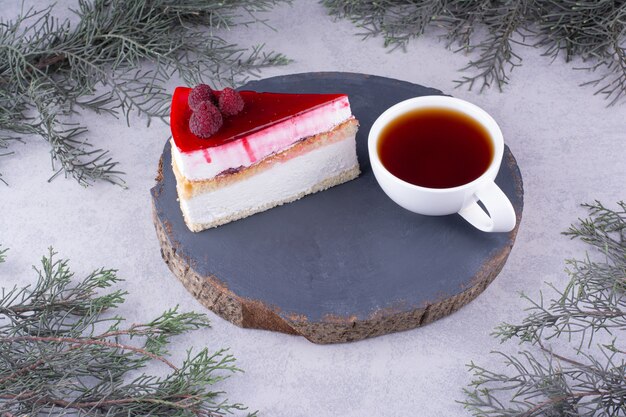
{"points": [[435, 148]]}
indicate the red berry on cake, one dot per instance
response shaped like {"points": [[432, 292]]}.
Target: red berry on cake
{"points": [[230, 102], [200, 94], [206, 120]]}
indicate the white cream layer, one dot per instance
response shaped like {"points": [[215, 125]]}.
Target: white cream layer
{"points": [[207, 163], [280, 183]]}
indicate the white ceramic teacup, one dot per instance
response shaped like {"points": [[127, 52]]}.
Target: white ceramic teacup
{"points": [[443, 201]]}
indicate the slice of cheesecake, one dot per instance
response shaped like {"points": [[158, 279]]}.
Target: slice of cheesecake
{"points": [[279, 148]]}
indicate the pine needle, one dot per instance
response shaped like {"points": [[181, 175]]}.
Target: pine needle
{"points": [[64, 352], [116, 60], [592, 30], [588, 380]]}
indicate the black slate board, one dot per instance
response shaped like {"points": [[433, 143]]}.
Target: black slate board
{"points": [[345, 255]]}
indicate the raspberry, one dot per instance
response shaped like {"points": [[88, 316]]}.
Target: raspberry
{"points": [[200, 94], [206, 120], [230, 102]]}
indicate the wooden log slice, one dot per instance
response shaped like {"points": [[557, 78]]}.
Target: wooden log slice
{"points": [[344, 264]]}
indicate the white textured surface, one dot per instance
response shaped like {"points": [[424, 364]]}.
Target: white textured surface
{"points": [[249, 149], [570, 149], [283, 181]]}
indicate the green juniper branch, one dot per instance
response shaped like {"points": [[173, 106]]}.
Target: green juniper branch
{"points": [[62, 352], [115, 60], [592, 30], [589, 381], [593, 300]]}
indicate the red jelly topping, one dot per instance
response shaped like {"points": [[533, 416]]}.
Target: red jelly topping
{"points": [[260, 111]]}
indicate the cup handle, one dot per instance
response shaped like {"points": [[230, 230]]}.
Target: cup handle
{"points": [[501, 217]]}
